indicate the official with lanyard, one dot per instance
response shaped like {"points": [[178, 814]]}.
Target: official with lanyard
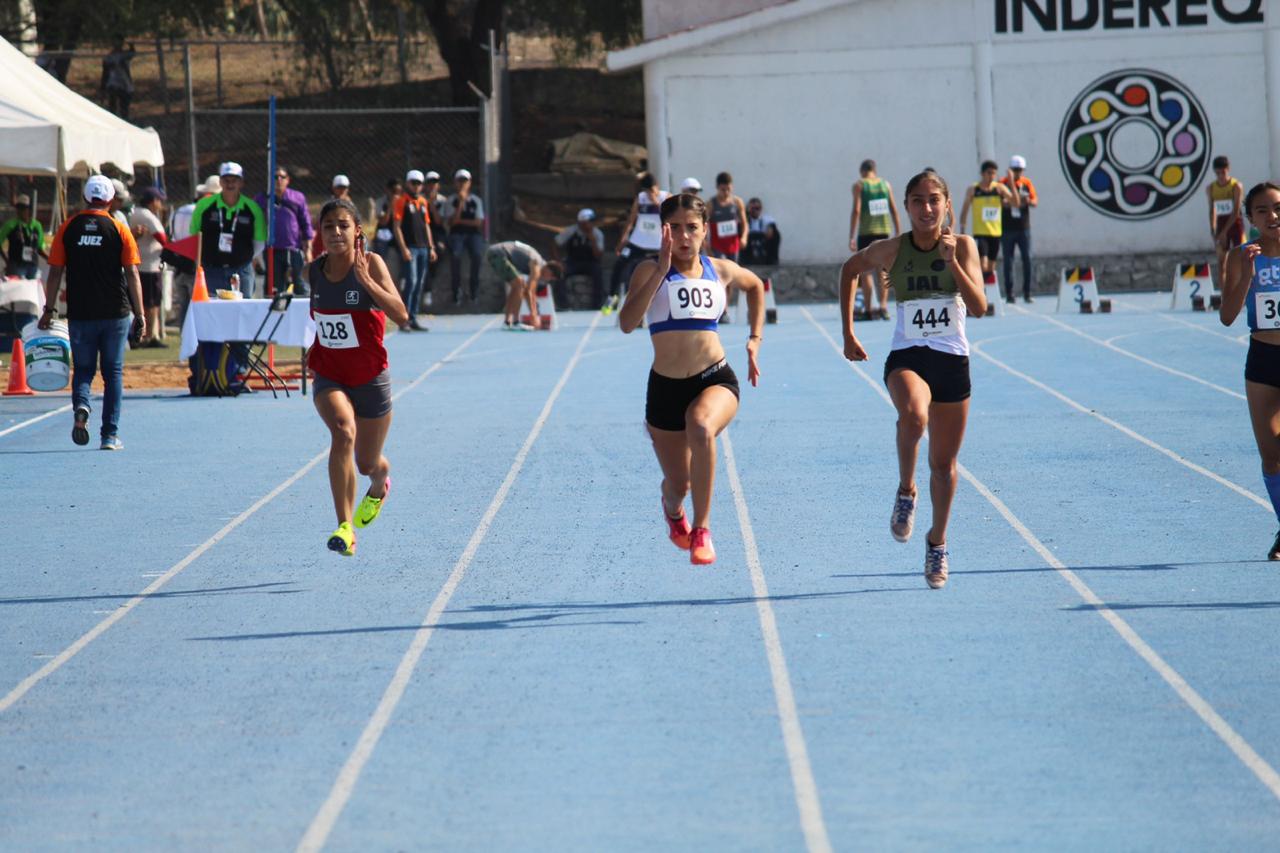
{"points": [[233, 231], [23, 237]]}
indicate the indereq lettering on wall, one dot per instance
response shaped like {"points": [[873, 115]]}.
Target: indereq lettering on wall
{"points": [[1016, 16]]}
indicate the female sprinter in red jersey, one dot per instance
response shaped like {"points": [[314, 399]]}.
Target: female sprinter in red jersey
{"points": [[693, 393], [350, 291]]}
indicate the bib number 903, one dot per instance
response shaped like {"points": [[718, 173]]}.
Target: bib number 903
{"points": [[694, 297]]}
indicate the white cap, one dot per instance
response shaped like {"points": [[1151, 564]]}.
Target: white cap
{"points": [[691, 184], [340, 181], [586, 215], [1017, 161], [462, 174], [122, 192], [433, 175], [212, 184], [98, 188], [230, 169], [413, 175]]}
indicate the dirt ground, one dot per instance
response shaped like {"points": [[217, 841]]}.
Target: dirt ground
{"points": [[137, 377]]}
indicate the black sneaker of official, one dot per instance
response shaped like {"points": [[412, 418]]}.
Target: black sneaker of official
{"points": [[416, 326], [80, 426], [1274, 553]]}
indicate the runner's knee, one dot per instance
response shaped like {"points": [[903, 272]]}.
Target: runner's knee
{"points": [[913, 423]]}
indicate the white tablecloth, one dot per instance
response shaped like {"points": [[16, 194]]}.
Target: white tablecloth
{"points": [[238, 319], [25, 295]]}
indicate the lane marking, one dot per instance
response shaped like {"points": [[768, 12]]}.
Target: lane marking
{"points": [[806, 788], [1211, 718], [1136, 436], [1157, 365], [322, 824], [1173, 319], [123, 610], [36, 419]]}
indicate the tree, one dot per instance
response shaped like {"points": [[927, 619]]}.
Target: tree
{"points": [[462, 27]]}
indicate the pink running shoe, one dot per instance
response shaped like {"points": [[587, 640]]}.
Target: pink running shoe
{"points": [[677, 528], [701, 551]]}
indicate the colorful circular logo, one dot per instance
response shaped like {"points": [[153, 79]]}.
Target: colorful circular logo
{"points": [[1135, 144]]}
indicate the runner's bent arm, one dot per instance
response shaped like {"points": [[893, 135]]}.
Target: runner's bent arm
{"points": [[893, 209], [643, 285], [1213, 211], [531, 287], [372, 272], [880, 254], [742, 218], [1235, 281], [753, 290], [1238, 203]]}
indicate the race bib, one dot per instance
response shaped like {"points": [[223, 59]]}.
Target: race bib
{"points": [[383, 234], [1223, 206], [695, 299], [649, 225], [878, 207], [727, 228], [224, 242], [990, 214], [336, 331], [1267, 310], [28, 254], [930, 318]]}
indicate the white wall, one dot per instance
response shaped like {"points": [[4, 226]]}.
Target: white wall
{"points": [[791, 111]]}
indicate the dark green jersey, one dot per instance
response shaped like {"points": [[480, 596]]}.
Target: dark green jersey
{"points": [[874, 218]]}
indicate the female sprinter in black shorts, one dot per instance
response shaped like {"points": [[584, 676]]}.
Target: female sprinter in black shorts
{"points": [[1251, 281], [693, 393], [936, 276], [350, 290]]}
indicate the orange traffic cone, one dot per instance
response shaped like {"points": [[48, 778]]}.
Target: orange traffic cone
{"points": [[18, 373], [200, 291]]}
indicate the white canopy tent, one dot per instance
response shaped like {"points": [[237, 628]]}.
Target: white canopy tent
{"points": [[47, 129]]}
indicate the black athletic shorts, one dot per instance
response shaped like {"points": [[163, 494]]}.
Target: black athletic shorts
{"points": [[668, 399], [946, 374], [865, 240], [1262, 365], [988, 247], [151, 295], [370, 400]]}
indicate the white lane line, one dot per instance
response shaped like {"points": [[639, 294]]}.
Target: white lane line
{"points": [[1136, 436], [806, 789], [1157, 365], [123, 610], [36, 419], [1237, 744], [1163, 315], [317, 833], [1234, 741]]}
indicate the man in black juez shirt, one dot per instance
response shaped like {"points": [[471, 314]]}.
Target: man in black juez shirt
{"points": [[233, 231]]}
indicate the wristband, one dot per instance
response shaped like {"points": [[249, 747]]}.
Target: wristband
{"points": [[755, 338]]}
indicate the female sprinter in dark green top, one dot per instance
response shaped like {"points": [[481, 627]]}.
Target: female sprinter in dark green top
{"points": [[937, 278]]}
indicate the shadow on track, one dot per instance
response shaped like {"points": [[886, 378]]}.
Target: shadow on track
{"points": [[176, 593]]}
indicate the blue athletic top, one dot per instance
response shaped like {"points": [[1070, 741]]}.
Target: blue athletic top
{"points": [[687, 304], [1265, 283]]}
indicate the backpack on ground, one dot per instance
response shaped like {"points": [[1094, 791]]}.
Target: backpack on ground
{"points": [[215, 371]]}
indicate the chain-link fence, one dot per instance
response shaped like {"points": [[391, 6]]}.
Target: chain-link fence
{"points": [[369, 146]]}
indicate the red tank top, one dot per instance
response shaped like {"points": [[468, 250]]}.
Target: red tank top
{"points": [[349, 326], [724, 227]]}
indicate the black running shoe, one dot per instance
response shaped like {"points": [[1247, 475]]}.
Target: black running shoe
{"points": [[1274, 553], [80, 427]]}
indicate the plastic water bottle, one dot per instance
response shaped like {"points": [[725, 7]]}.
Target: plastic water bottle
{"points": [[234, 283]]}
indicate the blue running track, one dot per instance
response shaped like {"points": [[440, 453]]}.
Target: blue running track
{"points": [[518, 659]]}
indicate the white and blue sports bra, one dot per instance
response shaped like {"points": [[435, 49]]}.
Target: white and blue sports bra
{"points": [[687, 304]]}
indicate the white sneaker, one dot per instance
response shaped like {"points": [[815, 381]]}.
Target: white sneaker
{"points": [[935, 564], [903, 518]]}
